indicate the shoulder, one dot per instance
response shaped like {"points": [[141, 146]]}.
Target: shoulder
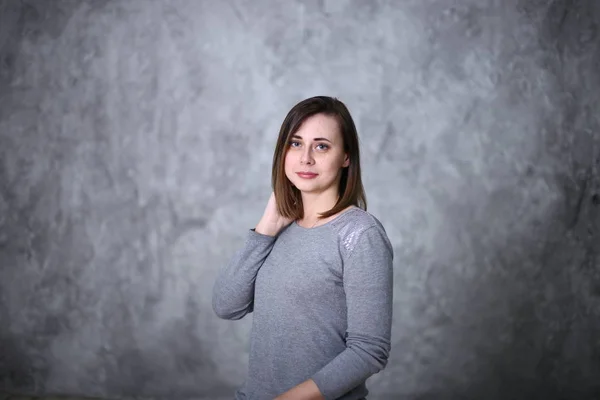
{"points": [[357, 225]]}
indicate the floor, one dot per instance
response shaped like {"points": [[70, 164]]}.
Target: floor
{"points": [[8, 396]]}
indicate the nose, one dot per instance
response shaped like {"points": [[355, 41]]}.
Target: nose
{"points": [[306, 157]]}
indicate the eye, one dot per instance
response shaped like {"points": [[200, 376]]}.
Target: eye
{"points": [[293, 143], [322, 146]]}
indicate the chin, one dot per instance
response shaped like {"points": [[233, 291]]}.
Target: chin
{"points": [[303, 186], [309, 188]]}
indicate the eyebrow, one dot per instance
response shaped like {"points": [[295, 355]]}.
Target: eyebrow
{"points": [[316, 139]]}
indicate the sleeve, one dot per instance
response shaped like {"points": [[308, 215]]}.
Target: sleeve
{"points": [[233, 290], [368, 284]]}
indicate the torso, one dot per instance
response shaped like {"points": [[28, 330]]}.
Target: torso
{"points": [[300, 311]]}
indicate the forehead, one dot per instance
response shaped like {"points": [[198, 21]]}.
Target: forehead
{"points": [[319, 126]]}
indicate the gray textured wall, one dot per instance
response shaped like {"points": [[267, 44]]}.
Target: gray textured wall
{"points": [[136, 139]]}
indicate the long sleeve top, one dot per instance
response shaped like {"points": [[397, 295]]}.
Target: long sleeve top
{"points": [[321, 300]]}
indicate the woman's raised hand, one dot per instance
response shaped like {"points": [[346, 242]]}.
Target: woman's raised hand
{"points": [[272, 222]]}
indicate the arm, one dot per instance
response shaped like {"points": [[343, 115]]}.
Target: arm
{"points": [[307, 390], [233, 290], [368, 283]]}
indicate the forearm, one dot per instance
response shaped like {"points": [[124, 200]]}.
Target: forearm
{"points": [[362, 359], [233, 290], [307, 390]]}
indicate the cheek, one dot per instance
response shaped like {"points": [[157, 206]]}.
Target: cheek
{"points": [[288, 162], [335, 164]]}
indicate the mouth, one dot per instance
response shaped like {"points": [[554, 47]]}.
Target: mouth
{"points": [[306, 175]]}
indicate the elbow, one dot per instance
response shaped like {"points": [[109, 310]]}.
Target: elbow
{"points": [[372, 350], [229, 304], [220, 311], [228, 315], [226, 312], [377, 360]]}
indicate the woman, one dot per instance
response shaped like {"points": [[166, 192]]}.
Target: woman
{"points": [[316, 271]]}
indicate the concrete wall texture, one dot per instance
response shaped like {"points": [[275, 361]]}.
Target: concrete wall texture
{"points": [[136, 141]]}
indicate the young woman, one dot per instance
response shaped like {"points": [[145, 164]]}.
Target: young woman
{"points": [[316, 271]]}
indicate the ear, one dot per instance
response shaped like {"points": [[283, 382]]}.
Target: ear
{"points": [[346, 161]]}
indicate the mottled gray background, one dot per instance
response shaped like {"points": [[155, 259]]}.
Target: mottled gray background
{"points": [[136, 140]]}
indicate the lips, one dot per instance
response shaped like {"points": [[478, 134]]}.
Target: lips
{"points": [[306, 174]]}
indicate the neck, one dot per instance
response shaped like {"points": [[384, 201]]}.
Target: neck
{"points": [[316, 203]]}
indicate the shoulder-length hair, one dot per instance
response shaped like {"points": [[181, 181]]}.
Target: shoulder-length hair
{"points": [[351, 190]]}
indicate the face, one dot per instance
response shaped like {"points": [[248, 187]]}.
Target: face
{"points": [[317, 148]]}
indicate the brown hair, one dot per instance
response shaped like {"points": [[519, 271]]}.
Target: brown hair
{"points": [[351, 191]]}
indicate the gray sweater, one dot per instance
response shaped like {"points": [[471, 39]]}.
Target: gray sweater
{"points": [[322, 305]]}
